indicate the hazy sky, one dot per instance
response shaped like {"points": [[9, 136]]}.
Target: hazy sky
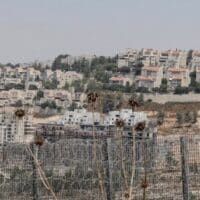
{"points": [[42, 29]]}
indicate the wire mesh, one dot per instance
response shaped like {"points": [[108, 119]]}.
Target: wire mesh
{"points": [[74, 171]]}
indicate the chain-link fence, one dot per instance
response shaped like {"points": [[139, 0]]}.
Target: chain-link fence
{"points": [[164, 167]]}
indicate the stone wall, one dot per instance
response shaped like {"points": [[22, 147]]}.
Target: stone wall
{"points": [[163, 98]]}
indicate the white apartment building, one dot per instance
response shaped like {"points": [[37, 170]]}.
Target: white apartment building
{"points": [[82, 117], [176, 58], [33, 74], [152, 74], [68, 77], [149, 57], [195, 62], [128, 58], [198, 74], [120, 80], [130, 118], [163, 57], [182, 59], [14, 129], [178, 77]]}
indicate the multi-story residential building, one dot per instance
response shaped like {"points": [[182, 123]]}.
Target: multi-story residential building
{"points": [[177, 77], [33, 74], [128, 58], [120, 80], [163, 57], [68, 76], [195, 61], [176, 58], [147, 82], [82, 117], [12, 80], [149, 57], [182, 59], [14, 129], [150, 77], [198, 74], [47, 74], [130, 118]]}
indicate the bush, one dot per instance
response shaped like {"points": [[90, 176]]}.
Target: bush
{"points": [[14, 86], [78, 86], [50, 84], [49, 104], [181, 90], [40, 94], [179, 118], [73, 106], [186, 117], [142, 90], [163, 86], [32, 87], [18, 103], [160, 117]]}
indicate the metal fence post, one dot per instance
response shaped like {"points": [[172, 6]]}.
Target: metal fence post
{"points": [[184, 166], [107, 180], [34, 175]]}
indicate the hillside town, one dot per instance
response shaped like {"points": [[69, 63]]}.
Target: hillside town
{"points": [[137, 112], [56, 92], [68, 78]]}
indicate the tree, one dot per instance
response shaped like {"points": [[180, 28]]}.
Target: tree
{"points": [[93, 86], [197, 90], [181, 90], [102, 76], [32, 87], [124, 70], [138, 68], [73, 106], [40, 94], [187, 117], [140, 99], [179, 118], [18, 86], [57, 64], [160, 117], [51, 84], [155, 89], [193, 82], [197, 87], [19, 103], [66, 86], [163, 86], [110, 67], [194, 117], [37, 78], [49, 104], [108, 104], [78, 86], [142, 90], [189, 56]]}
